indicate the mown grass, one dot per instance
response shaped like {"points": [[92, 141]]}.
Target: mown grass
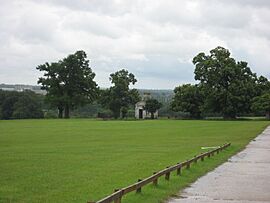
{"points": [[79, 160]]}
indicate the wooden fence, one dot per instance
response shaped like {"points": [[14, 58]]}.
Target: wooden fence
{"points": [[119, 193]]}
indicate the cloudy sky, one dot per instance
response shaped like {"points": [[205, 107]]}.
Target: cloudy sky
{"points": [[155, 40]]}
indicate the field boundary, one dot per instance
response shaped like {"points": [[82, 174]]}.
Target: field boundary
{"points": [[119, 193]]}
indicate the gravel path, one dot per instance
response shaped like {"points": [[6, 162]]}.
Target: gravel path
{"points": [[245, 178]]}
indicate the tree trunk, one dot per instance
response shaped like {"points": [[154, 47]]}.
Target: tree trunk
{"points": [[152, 115], [116, 114], [229, 116], [60, 112], [66, 111], [268, 115]]}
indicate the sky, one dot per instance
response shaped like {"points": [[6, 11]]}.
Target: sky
{"points": [[154, 39]]}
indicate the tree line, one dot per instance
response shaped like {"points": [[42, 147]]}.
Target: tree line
{"points": [[225, 87]]}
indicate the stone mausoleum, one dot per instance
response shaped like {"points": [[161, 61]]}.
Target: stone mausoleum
{"points": [[140, 112]]}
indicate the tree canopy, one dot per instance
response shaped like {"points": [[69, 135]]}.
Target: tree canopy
{"points": [[228, 86], [18, 105], [151, 106], [261, 104], [69, 82], [188, 98], [119, 96]]}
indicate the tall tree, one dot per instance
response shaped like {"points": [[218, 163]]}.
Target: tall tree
{"points": [[151, 106], [119, 97], [69, 83], [188, 98], [229, 85], [54, 86]]}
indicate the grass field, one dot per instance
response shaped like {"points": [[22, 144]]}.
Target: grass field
{"points": [[79, 160]]}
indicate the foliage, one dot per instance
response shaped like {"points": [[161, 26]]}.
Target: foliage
{"points": [[69, 83], [262, 104], [228, 86], [27, 106], [118, 98], [81, 160], [188, 98], [262, 85], [18, 105], [151, 106]]}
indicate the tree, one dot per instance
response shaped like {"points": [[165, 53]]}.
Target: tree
{"points": [[151, 106], [51, 82], [69, 83], [228, 85], [188, 98], [119, 97], [20, 105], [7, 106], [27, 106], [261, 104]]}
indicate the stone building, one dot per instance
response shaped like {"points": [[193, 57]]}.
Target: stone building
{"points": [[140, 112]]}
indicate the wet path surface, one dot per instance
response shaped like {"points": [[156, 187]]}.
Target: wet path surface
{"points": [[245, 178]]}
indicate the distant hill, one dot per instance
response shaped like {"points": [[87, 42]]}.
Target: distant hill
{"points": [[19, 88], [161, 95]]}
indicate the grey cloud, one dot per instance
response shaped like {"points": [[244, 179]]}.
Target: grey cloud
{"points": [[156, 40]]}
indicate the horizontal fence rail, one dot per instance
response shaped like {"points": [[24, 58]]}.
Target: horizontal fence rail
{"points": [[119, 193]]}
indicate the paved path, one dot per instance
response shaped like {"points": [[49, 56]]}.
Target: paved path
{"points": [[245, 178]]}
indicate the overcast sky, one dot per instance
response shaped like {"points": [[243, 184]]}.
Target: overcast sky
{"points": [[155, 40]]}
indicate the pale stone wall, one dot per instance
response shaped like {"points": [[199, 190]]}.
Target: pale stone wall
{"points": [[140, 106]]}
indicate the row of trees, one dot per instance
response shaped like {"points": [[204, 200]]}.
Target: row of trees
{"points": [[18, 105], [225, 87], [70, 83]]}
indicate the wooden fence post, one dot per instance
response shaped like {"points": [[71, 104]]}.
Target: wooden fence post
{"points": [[202, 158], [179, 170], [167, 175], [139, 190], [188, 164], [195, 160], [155, 181], [119, 199]]}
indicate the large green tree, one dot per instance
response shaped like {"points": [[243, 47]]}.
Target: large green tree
{"points": [[69, 83], [119, 96], [188, 98], [151, 106], [228, 86]]}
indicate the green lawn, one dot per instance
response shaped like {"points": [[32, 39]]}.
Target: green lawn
{"points": [[79, 160]]}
